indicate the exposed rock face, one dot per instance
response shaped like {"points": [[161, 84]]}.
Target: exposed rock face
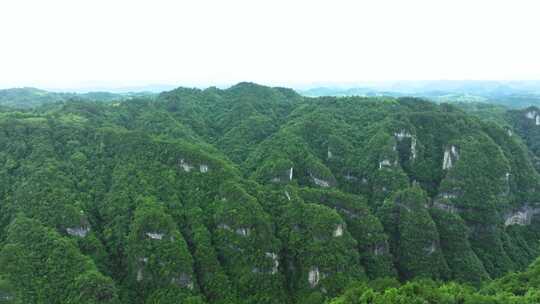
{"points": [[379, 249], [314, 276], [183, 280], [441, 199], [451, 155], [445, 207], [243, 231], [78, 231], [384, 163], [319, 181], [348, 213], [275, 261], [522, 216], [140, 275], [404, 134], [288, 195], [185, 166], [534, 116], [413, 148], [285, 176], [6, 297], [431, 248], [506, 179], [290, 174], [448, 195], [329, 154], [155, 235], [224, 226], [350, 177], [338, 231]]}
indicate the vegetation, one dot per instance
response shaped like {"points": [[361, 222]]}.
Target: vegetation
{"points": [[259, 195]]}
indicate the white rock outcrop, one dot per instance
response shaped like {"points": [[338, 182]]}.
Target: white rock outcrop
{"points": [[522, 216], [314, 276], [288, 195], [534, 116], [448, 195], [402, 134], [445, 207], [290, 174], [5, 298], [155, 235], [185, 166], [338, 231], [203, 168], [413, 148], [275, 261], [451, 155], [287, 175], [431, 248], [349, 177], [384, 163], [78, 231], [321, 182], [243, 231], [224, 226]]}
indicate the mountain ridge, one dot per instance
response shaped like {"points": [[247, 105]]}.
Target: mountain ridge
{"points": [[254, 194]]}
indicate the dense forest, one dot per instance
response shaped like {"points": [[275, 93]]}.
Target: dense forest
{"points": [[510, 94], [254, 194], [26, 98]]}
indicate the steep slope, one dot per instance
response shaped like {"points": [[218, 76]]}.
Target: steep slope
{"points": [[258, 195]]}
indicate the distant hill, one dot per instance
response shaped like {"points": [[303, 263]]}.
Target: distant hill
{"points": [[513, 94], [24, 98]]}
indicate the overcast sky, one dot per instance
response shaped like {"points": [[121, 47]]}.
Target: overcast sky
{"points": [[76, 43]]}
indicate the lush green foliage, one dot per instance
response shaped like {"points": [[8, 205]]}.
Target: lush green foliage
{"points": [[26, 98], [258, 195], [516, 288]]}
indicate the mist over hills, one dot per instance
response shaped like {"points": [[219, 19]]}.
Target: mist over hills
{"points": [[28, 97], [513, 94]]}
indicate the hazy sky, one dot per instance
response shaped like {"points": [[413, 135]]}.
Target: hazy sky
{"points": [[76, 43]]}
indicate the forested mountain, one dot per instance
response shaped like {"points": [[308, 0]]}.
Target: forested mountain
{"points": [[255, 194], [24, 98], [512, 94]]}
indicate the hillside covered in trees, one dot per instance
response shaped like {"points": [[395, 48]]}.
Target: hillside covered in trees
{"points": [[26, 98], [255, 194]]}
